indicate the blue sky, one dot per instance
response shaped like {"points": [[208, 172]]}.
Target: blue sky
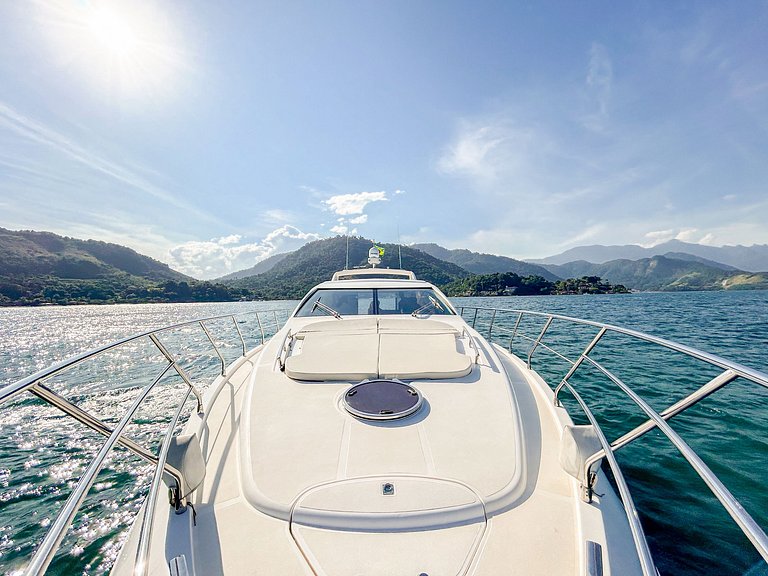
{"points": [[210, 135]]}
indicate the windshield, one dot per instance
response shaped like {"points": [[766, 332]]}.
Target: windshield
{"points": [[375, 301]]}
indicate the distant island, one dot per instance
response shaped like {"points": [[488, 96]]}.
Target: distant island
{"points": [[511, 284], [41, 268]]}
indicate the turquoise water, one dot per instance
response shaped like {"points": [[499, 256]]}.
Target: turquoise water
{"points": [[42, 454]]}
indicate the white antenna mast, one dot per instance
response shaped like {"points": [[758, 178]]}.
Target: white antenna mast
{"points": [[346, 266], [399, 253]]}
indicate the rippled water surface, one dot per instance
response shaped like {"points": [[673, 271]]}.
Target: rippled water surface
{"points": [[42, 453]]}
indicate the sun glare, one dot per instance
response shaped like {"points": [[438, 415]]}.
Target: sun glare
{"points": [[113, 32], [128, 48]]}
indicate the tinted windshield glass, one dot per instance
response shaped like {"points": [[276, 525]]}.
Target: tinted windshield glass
{"points": [[387, 301], [345, 302], [424, 301]]}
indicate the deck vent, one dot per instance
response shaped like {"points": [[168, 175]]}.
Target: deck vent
{"points": [[382, 400]]}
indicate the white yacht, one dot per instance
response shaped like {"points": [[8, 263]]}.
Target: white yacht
{"points": [[378, 433]]}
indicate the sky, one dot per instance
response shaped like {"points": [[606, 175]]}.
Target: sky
{"points": [[211, 135]]}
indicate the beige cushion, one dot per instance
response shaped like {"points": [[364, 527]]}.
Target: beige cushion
{"points": [[335, 357], [410, 325], [417, 356], [348, 325]]}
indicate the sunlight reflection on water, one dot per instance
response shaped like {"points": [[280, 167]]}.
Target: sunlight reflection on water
{"points": [[43, 453]]}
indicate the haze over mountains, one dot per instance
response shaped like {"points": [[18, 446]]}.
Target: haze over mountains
{"points": [[479, 263], [44, 268], [316, 261], [748, 258]]}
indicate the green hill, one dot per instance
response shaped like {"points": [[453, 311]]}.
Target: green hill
{"points": [[44, 268], [316, 262], [28, 253], [664, 274], [264, 266], [479, 263]]}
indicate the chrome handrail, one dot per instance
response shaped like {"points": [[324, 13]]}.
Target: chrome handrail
{"points": [[657, 420], [35, 384]]}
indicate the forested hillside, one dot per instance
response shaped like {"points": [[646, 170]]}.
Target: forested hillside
{"points": [[663, 273], [317, 261], [44, 268]]}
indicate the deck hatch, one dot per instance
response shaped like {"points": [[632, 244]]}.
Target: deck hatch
{"points": [[382, 399]]}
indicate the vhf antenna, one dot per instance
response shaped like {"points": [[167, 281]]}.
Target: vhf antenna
{"points": [[399, 253]]}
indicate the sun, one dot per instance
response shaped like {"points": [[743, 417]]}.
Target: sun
{"points": [[113, 31], [129, 50]]}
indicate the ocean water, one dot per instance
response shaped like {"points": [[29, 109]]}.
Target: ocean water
{"points": [[42, 453]]}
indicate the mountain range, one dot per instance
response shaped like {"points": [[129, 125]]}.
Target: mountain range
{"points": [[665, 273], [479, 263], [44, 268], [748, 258]]}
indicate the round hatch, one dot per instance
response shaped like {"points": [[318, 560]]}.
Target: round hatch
{"points": [[382, 400]]}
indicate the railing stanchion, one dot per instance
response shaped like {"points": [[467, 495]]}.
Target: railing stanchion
{"points": [[490, 328], [179, 370], [242, 340], [215, 348], [261, 328], [538, 340], [575, 365], [474, 320], [514, 330]]}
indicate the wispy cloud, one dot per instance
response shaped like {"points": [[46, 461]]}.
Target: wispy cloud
{"points": [[36, 132], [599, 85], [491, 150], [219, 256]]}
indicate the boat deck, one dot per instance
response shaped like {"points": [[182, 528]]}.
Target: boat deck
{"points": [[291, 495]]}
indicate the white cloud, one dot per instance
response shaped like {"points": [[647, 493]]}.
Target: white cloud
{"points": [[290, 232], [232, 239], [220, 256], [343, 230], [362, 219], [691, 235], [349, 204], [599, 86], [658, 237], [688, 235]]}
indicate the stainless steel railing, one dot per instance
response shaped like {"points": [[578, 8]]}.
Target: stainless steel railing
{"points": [[656, 420], [36, 384]]}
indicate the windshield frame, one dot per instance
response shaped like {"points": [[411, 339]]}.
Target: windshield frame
{"points": [[376, 308]]}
